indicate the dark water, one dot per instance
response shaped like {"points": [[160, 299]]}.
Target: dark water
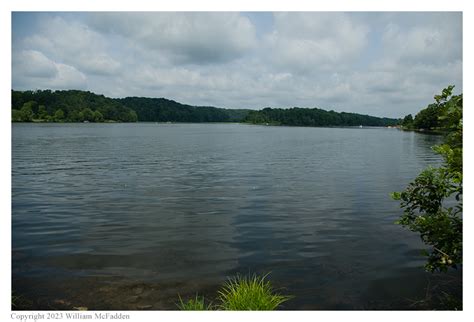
{"points": [[193, 203]]}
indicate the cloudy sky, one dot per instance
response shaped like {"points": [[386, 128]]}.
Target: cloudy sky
{"points": [[384, 64]]}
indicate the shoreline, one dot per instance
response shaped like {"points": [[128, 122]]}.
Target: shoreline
{"points": [[239, 123], [119, 293]]}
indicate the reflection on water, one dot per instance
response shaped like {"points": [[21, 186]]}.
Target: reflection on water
{"points": [[194, 203]]}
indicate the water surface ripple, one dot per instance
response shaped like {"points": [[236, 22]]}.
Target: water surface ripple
{"points": [[199, 202]]}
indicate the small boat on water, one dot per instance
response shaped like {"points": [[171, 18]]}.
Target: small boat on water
{"points": [[360, 126]]}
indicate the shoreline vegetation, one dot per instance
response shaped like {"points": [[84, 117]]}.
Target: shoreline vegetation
{"points": [[432, 119], [433, 202], [240, 293], [74, 106]]}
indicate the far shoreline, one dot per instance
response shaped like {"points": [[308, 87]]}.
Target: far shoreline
{"points": [[240, 123], [420, 131]]}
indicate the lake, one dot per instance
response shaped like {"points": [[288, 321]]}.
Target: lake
{"points": [[127, 216]]}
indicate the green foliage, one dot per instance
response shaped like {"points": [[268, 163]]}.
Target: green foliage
{"points": [[249, 293], [407, 121], [80, 106], [76, 106], [314, 117], [240, 293], [97, 117], [42, 113], [432, 203], [87, 114], [427, 118], [76, 116], [439, 227], [131, 116], [444, 114], [164, 110], [26, 112], [194, 304], [58, 116], [16, 116], [30, 106]]}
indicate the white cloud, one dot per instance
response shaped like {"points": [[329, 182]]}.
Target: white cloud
{"points": [[75, 44], [33, 70], [423, 44], [33, 63], [68, 77], [183, 37], [315, 41]]}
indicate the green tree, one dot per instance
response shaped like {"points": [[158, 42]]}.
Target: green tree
{"points": [[427, 118], [97, 116], [87, 114], [31, 105], [71, 102], [432, 203], [314, 117], [75, 116], [132, 116], [42, 113], [16, 116], [58, 116], [26, 112], [407, 121]]}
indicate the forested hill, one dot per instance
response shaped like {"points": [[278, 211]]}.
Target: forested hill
{"points": [[164, 110], [82, 106], [68, 106], [314, 117]]}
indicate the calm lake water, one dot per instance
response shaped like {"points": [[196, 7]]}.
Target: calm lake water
{"points": [[181, 207]]}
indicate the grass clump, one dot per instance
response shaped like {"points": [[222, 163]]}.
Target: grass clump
{"points": [[194, 304], [240, 293], [252, 293]]}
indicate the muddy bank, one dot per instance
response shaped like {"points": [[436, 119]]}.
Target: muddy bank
{"points": [[433, 292], [102, 293]]}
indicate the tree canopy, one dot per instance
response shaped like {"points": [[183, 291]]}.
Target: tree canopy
{"points": [[314, 117], [68, 106], [165, 110], [432, 118], [83, 106]]}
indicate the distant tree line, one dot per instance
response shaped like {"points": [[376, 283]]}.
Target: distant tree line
{"points": [[83, 106], [165, 110], [68, 106], [314, 117]]}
